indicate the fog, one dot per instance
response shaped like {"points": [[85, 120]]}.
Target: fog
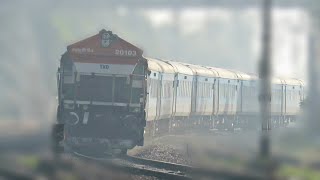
{"points": [[35, 34]]}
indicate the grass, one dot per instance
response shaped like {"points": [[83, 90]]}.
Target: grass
{"points": [[29, 161], [298, 172]]}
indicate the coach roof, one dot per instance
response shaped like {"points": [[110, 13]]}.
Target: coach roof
{"points": [[293, 82], [223, 73], [244, 76], [153, 65], [200, 70], [180, 68], [160, 66], [276, 80]]}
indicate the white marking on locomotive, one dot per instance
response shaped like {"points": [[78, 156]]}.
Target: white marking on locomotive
{"points": [[123, 69], [104, 66], [76, 115], [82, 50], [106, 39], [100, 103], [85, 117], [124, 52]]}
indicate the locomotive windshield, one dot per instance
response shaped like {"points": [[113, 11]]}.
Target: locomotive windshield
{"points": [[103, 88], [108, 88], [94, 88]]}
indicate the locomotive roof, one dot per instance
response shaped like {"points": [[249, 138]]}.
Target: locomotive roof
{"points": [[104, 48], [200, 71], [223, 73], [180, 68], [160, 66]]}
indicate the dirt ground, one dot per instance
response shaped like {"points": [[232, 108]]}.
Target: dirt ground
{"points": [[194, 148]]}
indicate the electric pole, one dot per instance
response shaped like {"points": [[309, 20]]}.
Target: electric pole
{"points": [[265, 80]]}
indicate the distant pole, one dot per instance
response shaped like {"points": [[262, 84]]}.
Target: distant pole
{"points": [[265, 80], [313, 113]]}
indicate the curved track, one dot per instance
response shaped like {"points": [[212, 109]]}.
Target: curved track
{"points": [[166, 170], [140, 166]]}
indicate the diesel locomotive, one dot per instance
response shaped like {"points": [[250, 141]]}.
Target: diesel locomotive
{"points": [[101, 94]]}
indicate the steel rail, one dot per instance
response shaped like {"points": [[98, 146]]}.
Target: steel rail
{"points": [[196, 171], [137, 167], [166, 170], [159, 164]]}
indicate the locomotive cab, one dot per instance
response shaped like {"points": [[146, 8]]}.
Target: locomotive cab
{"points": [[101, 85]]}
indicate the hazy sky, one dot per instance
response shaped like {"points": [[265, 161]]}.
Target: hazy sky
{"points": [[290, 32], [34, 36]]}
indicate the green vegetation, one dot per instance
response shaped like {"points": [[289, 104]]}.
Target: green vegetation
{"points": [[28, 161], [298, 172]]}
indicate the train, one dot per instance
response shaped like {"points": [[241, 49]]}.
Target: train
{"points": [[110, 97]]}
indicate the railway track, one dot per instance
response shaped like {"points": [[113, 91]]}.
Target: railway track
{"points": [[166, 170], [47, 167], [140, 166]]}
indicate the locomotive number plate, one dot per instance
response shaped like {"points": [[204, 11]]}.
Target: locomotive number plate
{"points": [[122, 52]]}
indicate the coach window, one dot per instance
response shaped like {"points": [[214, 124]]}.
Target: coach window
{"points": [[183, 92], [152, 88], [201, 90], [188, 87], [165, 88], [185, 88]]}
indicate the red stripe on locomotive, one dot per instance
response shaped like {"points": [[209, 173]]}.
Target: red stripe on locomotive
{"points": [[104, 48]]}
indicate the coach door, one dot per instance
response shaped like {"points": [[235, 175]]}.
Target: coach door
{"points": [[214, 97], [175, 89], [194, 94]]}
